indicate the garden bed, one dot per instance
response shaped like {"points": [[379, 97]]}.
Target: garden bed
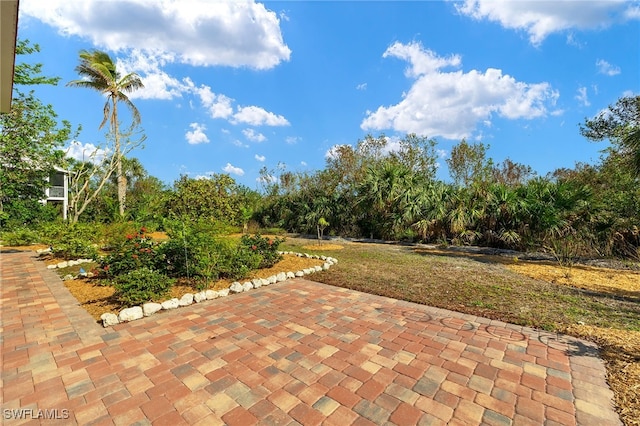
{"points": [[98, 299]]}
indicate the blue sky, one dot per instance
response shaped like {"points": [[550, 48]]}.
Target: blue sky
{"points": [[231, 87]]}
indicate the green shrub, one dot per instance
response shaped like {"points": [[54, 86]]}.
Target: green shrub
{"points": [[265, 247], [140, 286], [192, 251], [135, 251], [72, 241], [22, 236], [115, 234], [236, 262], [195, 252], [18, 213]]}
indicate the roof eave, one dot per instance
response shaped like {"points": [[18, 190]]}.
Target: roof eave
{"points": [[8, 41]]}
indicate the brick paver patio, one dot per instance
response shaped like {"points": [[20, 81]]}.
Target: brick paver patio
{"points": [[296, 352]]}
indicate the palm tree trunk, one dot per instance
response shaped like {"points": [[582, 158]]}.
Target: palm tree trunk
{"points": [[121, 180]]}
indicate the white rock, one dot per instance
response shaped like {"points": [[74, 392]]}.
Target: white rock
{"points": [[90, 274], [52, 266], [199, 297], [281, 276], [317, 268], [335, 261], [211, 294], [63, 264], [109, 319], [150, 308], [223, 293], [67, 277], [264, 281], [272, 279], [325, 266], [170, 304], [72, 263], [236, 287], [308, 271], [299, 274], [291, 275], [186, 300], [257, 282], [323, 257], [130, 314], [247, 286]]}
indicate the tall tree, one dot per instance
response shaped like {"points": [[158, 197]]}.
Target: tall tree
{"points": [[469, 164], [92, 175], [511, 173], [620, 124], [30, 142], [98, 72]]}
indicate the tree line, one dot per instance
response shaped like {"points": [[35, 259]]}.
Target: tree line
{"points": [[374, 189]]}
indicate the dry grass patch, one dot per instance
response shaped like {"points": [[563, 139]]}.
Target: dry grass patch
{"points": [[323, 247], [611, 281]]}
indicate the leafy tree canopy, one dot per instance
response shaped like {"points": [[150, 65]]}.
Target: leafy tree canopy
{"points": [[620, 124], [30, 138], [468, 163]]}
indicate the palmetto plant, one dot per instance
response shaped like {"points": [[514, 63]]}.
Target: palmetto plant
{"points": [[98, 72]]}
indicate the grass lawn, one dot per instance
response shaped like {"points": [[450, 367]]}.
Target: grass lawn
{"points": [[598, 304]]}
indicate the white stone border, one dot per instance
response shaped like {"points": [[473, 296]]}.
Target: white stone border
{"points": [[147, 309]]}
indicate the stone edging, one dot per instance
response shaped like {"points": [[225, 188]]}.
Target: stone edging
{"points": [[147, 309]]}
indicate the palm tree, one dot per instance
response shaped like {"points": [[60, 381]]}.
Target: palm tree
{"points": [[98, 72]]}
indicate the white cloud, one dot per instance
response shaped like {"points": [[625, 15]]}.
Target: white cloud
{"points": [[256, 116], [240, 144], [196, 135], [303, 163], [632, 12], [292, 140], [573, 41], [195, 32], [254, 136], [361, 86], [606, 68], [542, 18], [157, 83], [86, 152], [218, 106], [422, 61], [260, 158], [442, 153], [452, 104], [582, 96], [233, 170]]}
